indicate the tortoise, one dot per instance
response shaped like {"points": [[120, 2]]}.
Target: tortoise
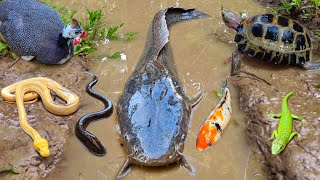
{"points": [[272, 38]]}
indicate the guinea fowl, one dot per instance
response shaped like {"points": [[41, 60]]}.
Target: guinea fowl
{"points": [[33, 29]]}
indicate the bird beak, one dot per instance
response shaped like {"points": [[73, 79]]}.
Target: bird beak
{"points": [[84, 34]]}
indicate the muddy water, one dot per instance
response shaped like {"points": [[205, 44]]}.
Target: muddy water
{"points": [[200, 48]]}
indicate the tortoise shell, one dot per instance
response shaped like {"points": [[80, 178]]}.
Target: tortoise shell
{"points": [[274, 38]]}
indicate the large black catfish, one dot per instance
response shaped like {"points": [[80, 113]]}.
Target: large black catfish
{"points": [[153, 110]]}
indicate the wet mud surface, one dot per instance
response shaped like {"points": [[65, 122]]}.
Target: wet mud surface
{"points": [[226, 160], [16, 146], [300, 159]]}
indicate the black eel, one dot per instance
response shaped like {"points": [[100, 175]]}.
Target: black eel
{"points": [[153, 110], [91, 142]]}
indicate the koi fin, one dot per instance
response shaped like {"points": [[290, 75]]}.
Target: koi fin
{"points": [[125, 170], [196, 99]]}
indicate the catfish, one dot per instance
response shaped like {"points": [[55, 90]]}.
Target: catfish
{"points": [[153, 110]]}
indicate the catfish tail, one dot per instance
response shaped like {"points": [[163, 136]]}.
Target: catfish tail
{"points": [[158, 35]]}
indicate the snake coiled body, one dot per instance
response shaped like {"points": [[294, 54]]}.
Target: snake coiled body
{"points": [[29, 91], [88, 139]]}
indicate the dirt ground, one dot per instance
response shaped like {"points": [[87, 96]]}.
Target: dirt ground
{"points": [[300, 159], [16, 146]]}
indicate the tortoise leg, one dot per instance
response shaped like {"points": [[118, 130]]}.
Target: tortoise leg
{"points": [[235, 64], [311, 65]]}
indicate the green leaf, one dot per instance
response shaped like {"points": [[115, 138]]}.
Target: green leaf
{"points": [[112, 32], [296, 3], [317, 2], [9, 169], [317, 86], [217, 93], [13, 54], [130, 35], [47, 2], [115, 55], [3, 46], [81, 49]]}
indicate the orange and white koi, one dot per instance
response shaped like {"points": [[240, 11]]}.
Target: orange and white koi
{"points": [[216, 122]]}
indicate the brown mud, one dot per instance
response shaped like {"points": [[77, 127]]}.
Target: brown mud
{"points": [[300, 159], [230, 158], [16, 146]]}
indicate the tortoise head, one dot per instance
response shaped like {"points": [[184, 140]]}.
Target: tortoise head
{"points": [[73, 30], [231, 19], [277, 147], [42, 146]]}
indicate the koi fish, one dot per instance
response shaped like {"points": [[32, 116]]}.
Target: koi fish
{"points": [[216, 122]]}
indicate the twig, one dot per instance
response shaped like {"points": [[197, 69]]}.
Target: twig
{"points": [[13, 63], [256, 77], [199, 55], [9, 67]]}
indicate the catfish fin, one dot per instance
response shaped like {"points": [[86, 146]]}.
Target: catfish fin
{"points": [[125, 170], [185, 164]]}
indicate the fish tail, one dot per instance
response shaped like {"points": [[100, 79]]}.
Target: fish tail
{"points": [[175, 15], [159, 29]]}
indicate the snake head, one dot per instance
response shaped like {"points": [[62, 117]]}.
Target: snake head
{"points": [[277, 147], [42, 146]]}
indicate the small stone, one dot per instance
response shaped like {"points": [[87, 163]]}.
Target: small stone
{"points": [[123, 56]]}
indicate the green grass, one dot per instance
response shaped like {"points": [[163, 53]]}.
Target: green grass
{"points": [[305, 10], [5, 50], [116, 55], [302, 10]]}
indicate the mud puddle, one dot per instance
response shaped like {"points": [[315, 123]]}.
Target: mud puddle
{"points": [[200, 48], [199, 56]]}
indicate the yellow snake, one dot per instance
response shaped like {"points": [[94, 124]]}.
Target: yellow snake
{"points": [[30, 90]]}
